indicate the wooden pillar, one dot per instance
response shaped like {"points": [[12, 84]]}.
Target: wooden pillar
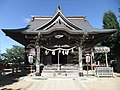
{"points": [[80, 61], [26, 57], [92, 59], [38, 61], [58, 61], [91, 63]]}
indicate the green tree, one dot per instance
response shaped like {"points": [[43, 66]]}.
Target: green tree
{"points": [[14, 56], [110, 22]]}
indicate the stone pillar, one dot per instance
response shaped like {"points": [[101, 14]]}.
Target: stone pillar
{"points": [[80, 62], [38, 73]]}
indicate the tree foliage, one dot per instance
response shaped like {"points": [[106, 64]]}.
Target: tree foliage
{"points": [[14, 55], [110, 22]]}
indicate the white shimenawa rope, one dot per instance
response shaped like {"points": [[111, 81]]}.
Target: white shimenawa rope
{"points": [[64, 51]]}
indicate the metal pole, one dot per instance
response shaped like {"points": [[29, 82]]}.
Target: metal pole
{"points": [[58, 61]]}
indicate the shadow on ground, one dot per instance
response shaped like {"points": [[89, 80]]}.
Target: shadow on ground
{"points": [[9, 89], [10, 79]]}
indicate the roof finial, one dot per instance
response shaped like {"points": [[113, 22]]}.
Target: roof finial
{"points": [[59, 7]]}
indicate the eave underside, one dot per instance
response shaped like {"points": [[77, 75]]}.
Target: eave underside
{"points": [[26, 38]]}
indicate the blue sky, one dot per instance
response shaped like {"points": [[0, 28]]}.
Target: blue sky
{"points": [[16, 13]]}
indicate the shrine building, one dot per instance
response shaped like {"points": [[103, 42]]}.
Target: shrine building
{"points": [[58, 41]]}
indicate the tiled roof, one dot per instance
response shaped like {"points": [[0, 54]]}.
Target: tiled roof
{"points": [[47, 24]]}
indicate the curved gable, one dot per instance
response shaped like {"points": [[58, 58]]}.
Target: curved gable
{"points": [[58, 18]]}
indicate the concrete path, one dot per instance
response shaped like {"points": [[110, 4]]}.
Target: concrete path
{"points": [[57, 84]]}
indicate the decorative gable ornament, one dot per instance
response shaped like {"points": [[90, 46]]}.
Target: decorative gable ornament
{"points": [[59, 36]]}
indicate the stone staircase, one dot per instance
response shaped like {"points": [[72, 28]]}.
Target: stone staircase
{"points": [[65, 71]]}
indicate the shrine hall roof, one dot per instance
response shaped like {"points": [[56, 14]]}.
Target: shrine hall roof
{"points": [[57, 22], [78, 23]]}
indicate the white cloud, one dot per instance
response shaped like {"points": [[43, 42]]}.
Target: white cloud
{"points": [[26, 20]]}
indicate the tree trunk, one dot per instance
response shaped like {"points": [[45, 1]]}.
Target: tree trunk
{"points": [[118, 63]]}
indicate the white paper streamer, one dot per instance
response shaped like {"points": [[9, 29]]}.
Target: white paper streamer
{"points": [[63, 52], [59, 51], [66, 52], [53, 52], [72, 50], [46, 52]]}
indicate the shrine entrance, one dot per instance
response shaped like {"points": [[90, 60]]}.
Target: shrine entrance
{"points": [[62, 58]]}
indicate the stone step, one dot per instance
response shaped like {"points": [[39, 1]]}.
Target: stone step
{"points": [[60, 71], [60, 74], [61, 68]]}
